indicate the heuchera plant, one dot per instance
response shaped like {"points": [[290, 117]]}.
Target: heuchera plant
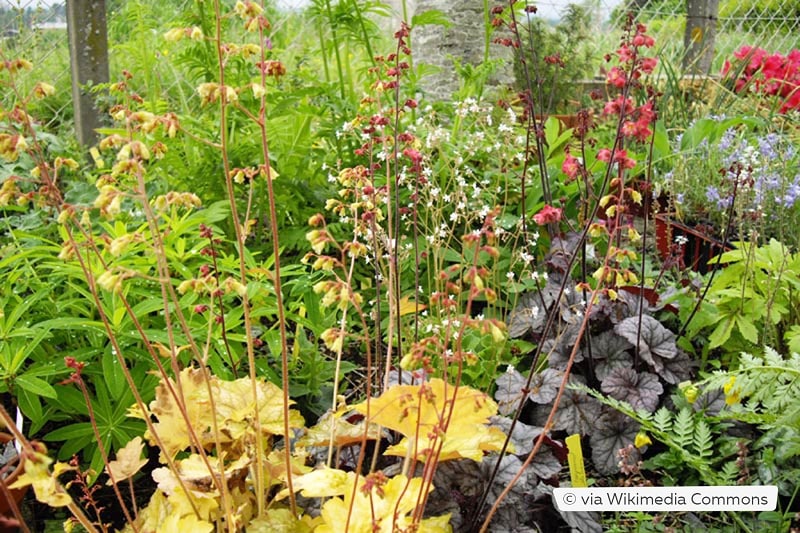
{"points": [[767, 74]]}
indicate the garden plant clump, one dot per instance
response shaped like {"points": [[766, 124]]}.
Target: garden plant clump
{"points": [[266, 301]]}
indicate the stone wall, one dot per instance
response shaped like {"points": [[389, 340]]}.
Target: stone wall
{"points": [[436, 45]]}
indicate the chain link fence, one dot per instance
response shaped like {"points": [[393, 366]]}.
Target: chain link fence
{"points": [[770, 24], [36, 30]]}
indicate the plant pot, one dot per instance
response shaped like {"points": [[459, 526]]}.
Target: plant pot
{"points": [[14, 471], [697, 248]]}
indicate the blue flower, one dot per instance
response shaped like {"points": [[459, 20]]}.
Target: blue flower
{"points": [[768, 146], [792, 193], [727, 139], [713, 197]]}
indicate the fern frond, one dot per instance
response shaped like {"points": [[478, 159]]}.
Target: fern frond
{"points": [[683, 428], [662, 420], [729, 472], [703, 440]]}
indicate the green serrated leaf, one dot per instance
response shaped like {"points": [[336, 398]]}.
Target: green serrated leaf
{"points": [[721, 333], [748, 330], [36, 386]]}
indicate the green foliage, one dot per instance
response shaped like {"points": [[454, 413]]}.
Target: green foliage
{"points": [[568, 40], [698, 450], [752, 301], [764, 391]]}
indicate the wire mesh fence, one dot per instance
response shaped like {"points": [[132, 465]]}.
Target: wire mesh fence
{"points": [[37, 29]]}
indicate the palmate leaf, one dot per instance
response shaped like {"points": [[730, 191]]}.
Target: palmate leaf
{"points": [[371, 507], [510, 385], [127, 462], [233, 408], [655, 341], [523, 437], [512, 519], [456, 484], [529, 315], [559, 349], [677, 369], [641, 390], [545, 385], [510, 465], [613, 432], [563, 248], [417, 411], [579, 521], [509, 391], [610, 351], [577, 412]]}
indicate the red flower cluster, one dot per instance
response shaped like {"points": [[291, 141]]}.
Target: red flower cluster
{"points": [[769, 74], [547, 215]]}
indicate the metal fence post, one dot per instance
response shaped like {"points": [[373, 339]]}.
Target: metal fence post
{"points": [[698, 39], [88, 52]]}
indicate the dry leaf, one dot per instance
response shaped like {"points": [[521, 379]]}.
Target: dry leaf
{"points": [[127, 463]]}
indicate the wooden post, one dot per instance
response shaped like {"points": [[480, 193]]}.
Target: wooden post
{"points": [[88, 52], [698, 39]]}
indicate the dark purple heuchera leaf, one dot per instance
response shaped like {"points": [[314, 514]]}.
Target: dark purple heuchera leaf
{"points": [[545, 385], [558, 349], [457, 484], [509, 466], [577, 412], [579, 521], [562, 249], [531, 311], [676, 369], [712, 401], [523, 435], [545, 465], [511, 519], [655, 341], [641, 390], [509, 391], [583, 521], [510, 384], [572, 306], [529, 315], [613, 431], [610, 351]]}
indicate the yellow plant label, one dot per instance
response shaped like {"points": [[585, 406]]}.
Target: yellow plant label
{"points": [[577, 474]]}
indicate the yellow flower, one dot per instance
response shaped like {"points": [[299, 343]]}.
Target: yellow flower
{"points": [[731, 395], [333, 339], [42, 90], [175, 34], [110, 282], [642, 440]]}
